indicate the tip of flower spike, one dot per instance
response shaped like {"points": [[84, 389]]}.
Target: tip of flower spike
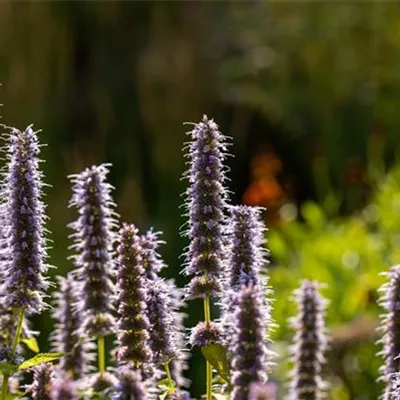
{"points": [[206, 333]]}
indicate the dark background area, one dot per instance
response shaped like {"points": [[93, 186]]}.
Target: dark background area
{"points": [[309, 92]]}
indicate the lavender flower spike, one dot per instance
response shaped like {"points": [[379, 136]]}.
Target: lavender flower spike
{"points": [[93, 242], [250, 353], [310, 344], [206, 203], [133, 324], [130, 386], [247, 255], [40, 389], [390, 301], [24, 217], [67, 339]]}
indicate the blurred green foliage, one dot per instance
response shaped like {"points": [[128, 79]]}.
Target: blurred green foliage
{"points": [[347, 254]]}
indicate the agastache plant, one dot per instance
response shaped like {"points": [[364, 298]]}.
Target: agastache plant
{"points": [[390, 301], [206, 203], [247, 259], [23, 217], [64, 388], [310, 344], [250, 361], [94, 239], [163, 302], [67, 337], [133, 323]]}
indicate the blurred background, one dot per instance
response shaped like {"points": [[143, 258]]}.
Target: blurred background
{"points": [[310, 93]]}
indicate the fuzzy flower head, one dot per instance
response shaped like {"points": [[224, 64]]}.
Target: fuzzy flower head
{"points": [[206, 200], [40, 389], [262, 391], [247, 255], [163, 330], [310, 343], [151, 260], [24, 220], [93, 243], [133, 323], [390, 327], [250, 354], [130, 386], [67, 339]]}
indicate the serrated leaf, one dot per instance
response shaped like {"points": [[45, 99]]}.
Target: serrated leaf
{"points": [[8, 368], [40, 359], [215, 354], [31, 343]]}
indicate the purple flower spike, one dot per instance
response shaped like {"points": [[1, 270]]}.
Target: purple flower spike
{"points": [[390, 327], [67, 339], [133, 324], [24, 217], [310, 343], [163, 332], [152, 262], [249, 350], [93, 243], [206, 202], [247, 256], [130, 386], [40, 389], [64, 388]]}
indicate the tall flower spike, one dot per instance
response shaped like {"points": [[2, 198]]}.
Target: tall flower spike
{"points": [[40, 389], [67, 339], [133, 324], [130, 386], [24, 217], [93, 242], [247, 255], [206, 202], [310, 343], [390, 327], [163, 302], [250, 353], [247, 259]]}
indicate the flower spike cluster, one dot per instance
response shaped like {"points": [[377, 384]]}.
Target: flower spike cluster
{"points": [[310, 343], [133, 324], [93, 242], [67, 338], [24, 219], [206, 203], [250, 353], [390, 301]]}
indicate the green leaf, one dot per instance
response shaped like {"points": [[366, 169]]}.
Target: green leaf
{"points": [[8, 368], [31, 343], [215, 354], [219, 396], [40, 359]]}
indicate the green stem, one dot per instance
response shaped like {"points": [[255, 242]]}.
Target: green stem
{"points": [[18, 332], [101, 354], [171, 386], [207, 319], [4, 387]]}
